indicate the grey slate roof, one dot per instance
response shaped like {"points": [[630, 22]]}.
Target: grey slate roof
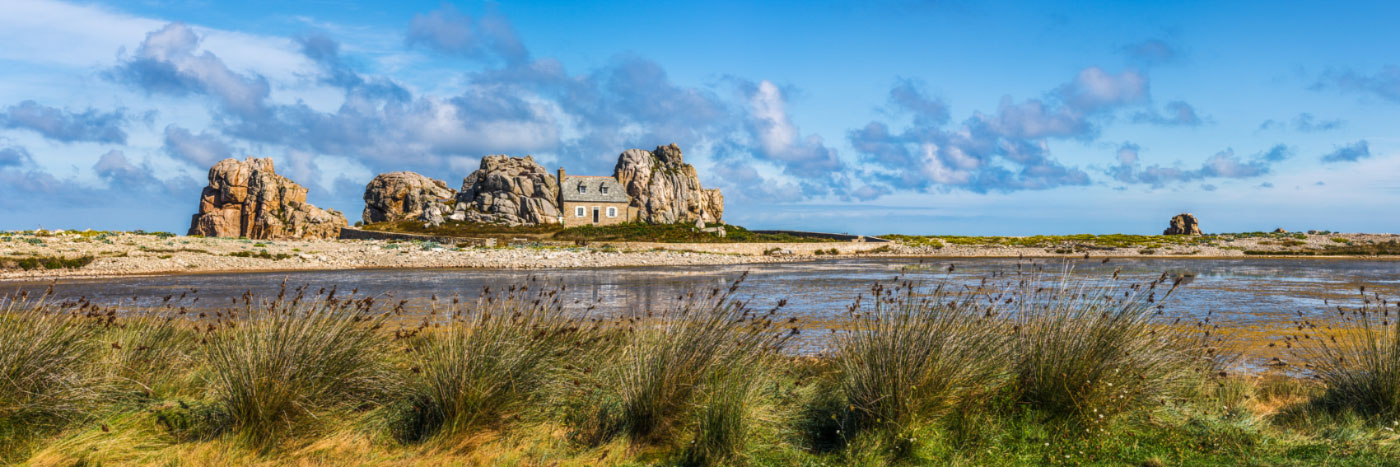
{"points": [[596, 189]]}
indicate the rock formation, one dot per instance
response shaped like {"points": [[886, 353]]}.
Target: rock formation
{"points": [[1183, 224], [432, 216], [248, 199], [665, 189], [399, 196], [508, 190]]}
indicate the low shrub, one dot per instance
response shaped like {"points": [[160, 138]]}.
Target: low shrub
{"points": [[47, 262], [263, 254]]}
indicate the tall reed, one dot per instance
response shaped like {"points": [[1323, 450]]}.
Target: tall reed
{"points": [[1357, 356], [1087, 351], [44, 354], [148, 355], [487, 359], [911, 352], [703, 344], [279, 360]]}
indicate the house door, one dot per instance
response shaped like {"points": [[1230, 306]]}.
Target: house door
{"points": [[595, 215]]}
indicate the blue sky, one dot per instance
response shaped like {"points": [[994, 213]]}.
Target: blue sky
{"points": [[942, 117]]}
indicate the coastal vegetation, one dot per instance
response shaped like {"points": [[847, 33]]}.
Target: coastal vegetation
{"points": [[1020, 368], [45, 262], [626, 232], [1385, 248], [1248, 243]]}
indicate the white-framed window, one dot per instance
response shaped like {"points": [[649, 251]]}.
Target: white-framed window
{"points": [[578, 211], [582, 188], [603, 189], [612, 212]]}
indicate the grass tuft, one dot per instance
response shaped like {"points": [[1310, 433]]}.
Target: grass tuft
{"points": [[291, 359], [43, 353], [1357, 359], [912, 352], [485, 361], [711, 342], [1087, 352]]}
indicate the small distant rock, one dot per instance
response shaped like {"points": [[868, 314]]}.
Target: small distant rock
{"points": [[1183, 224], [1280, 230]]}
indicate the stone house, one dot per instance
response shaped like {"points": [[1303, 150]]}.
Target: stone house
{"points": [[593, 200]]}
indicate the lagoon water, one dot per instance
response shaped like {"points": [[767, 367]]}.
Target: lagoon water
{"points": [[1236, 290]]}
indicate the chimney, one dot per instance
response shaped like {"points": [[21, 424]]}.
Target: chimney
{"points": [[561, 194]]}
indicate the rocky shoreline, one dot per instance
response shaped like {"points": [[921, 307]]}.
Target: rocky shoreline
{"points": [[119, 254]]}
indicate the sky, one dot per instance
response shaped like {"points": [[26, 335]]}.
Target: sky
{"points": [[938, 117]]}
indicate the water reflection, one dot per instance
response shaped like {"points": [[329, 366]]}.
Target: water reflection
{"points": [[1236, 290]]}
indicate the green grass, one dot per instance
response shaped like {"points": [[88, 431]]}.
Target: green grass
{"points": [[994, 374], [1386, 248], [260, 254], [46, 262]]}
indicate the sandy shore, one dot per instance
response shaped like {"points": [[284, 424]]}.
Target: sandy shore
{"points": [[118, 254]]}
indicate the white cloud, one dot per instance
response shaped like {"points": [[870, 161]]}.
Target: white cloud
{"points": [[42, 31]]}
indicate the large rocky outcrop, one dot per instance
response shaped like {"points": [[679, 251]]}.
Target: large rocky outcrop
{"points": [[399, 196], [1183, 224], [248, 199], [665, 189], [508, 190]]}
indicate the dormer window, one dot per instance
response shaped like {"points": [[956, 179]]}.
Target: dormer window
{"points": [[582, 188], [603, 189]]}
